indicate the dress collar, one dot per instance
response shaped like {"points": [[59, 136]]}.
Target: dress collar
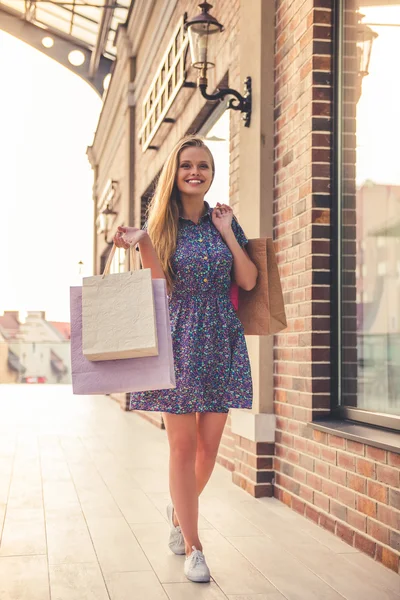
{"points": [[207, 214]]}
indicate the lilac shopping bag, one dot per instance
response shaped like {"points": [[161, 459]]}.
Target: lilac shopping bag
{"points": [[123, 375]]}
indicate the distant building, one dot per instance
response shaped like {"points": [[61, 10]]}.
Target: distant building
{"points": [[11, 368], [37, 350]]}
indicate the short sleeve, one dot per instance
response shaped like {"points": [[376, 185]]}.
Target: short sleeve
{"points": [[239, 233]]}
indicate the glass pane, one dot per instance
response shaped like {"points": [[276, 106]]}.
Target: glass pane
{"points": [[52, 21], [89, 38], [18, 5], [85, 24], [370, 276]]}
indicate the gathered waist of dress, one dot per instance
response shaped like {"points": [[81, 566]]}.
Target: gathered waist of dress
{"points": [[205, 294]]}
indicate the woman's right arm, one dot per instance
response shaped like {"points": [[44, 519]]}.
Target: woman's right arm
{"points": [[149, 257], [130, 236]]}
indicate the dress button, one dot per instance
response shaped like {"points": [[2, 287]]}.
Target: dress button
{"points": [[201, 239], [205, 279], [206, 258]]}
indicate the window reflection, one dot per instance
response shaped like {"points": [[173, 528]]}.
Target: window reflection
{"points": [[371, 208]]}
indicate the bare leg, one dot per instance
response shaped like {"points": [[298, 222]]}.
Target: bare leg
{"points": [[210, 427], [182, 437]]}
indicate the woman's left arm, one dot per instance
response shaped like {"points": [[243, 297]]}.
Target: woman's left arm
{"points": [[244, 270]]}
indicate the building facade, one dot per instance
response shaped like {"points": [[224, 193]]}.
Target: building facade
{"points": [[315, 170], [35, 351]]}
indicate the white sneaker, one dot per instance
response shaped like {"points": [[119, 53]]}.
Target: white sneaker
{"points": [[196, 567], [176, 540]]}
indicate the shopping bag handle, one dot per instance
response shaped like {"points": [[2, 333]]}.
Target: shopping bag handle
{"points": [[132, 260]]}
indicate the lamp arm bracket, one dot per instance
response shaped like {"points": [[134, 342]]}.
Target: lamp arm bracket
{"points": [[238, 102]]}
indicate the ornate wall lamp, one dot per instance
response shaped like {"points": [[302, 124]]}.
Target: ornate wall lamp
{"points": [[365, 38], [202, 30], [106, 219]]}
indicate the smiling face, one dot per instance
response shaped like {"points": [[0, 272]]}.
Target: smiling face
{"points": [[195, 171]]}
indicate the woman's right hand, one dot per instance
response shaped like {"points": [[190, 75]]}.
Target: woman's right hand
{"points": [[128, 236]]}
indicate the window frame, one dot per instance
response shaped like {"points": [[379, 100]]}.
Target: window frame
{"points": [[338, 410]]}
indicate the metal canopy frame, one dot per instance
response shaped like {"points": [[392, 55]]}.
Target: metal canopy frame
{"points": [[88, 26]]}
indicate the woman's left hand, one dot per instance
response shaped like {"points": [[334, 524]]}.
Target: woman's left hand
{"points": [[222, 216]]}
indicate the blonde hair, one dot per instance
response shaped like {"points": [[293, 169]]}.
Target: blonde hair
{"points": [[163, 210]]}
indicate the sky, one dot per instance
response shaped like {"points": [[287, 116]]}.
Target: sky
{"points": [[48, 117]]}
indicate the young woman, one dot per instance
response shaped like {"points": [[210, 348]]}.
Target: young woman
{"points": [[199, 251]]}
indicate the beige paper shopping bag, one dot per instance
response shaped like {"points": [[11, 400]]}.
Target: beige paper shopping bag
{"points": [[118, 315]]}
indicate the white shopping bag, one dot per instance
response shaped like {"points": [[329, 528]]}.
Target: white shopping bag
{"points": [[118, 315]]}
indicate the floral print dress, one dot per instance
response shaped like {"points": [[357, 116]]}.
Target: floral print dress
{"points": [[211, 361]]}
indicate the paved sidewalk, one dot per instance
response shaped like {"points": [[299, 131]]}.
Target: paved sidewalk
{"points": [[83, 490]]}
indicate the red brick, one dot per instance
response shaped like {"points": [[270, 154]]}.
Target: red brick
{"points": [[320, 436], [377, 491], [357, 483], [376, 454], [394, 498], [284, 496], [389, 516], [335, 441], [314, 481], [364, 544], [338, 510], [357, 520], [347, 497], [313, 448], [327, 523], [389, 558], [293, 456], [306, 493], [300, 444], [366, 506], [345, 533], [388, 475], [298, 505], [307, 462], [312, 514], [346, 461], [321, 501], [321, 468], [300, 475], [355, 447], [394, 459], [337, 475], [329, 488], [365, 467], [328, 454], [378, 531]]}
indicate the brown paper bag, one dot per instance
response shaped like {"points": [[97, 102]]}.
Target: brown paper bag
{"points": [[261, 310]]}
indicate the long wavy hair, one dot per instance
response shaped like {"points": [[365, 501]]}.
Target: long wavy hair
{"points": [[164, 208]]}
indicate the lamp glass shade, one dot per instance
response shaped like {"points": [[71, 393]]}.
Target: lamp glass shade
{"points": [[202, 40], [365, 39], [102, 220]]}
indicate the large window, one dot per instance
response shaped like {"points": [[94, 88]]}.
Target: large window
{"points": [[368, 184]]}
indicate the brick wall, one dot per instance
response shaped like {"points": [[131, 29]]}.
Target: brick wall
{"points": [[349, 488]]}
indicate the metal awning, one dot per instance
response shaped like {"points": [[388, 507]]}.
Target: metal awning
{"points": [[57, 364], [57, 28], [14, 362]]}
